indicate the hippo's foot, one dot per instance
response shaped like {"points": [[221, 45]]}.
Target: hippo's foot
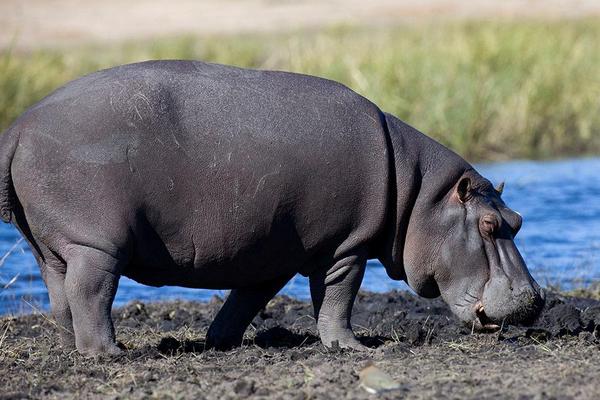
{"points": [[333, 292], [100, 349], [217, 339], [338, 335]]}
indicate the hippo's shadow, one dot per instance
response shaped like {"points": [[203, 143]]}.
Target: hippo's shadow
{"points": [[280, 337], [277, 337], [374, 341], [274, 337], [170, 346]]}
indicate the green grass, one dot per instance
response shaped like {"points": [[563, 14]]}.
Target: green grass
{"points": [[488, 90]]}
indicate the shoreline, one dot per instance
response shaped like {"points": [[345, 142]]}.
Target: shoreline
{"points": [[416, 341]]}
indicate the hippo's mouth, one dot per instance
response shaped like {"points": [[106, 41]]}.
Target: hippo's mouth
{"points": [[485, 323]]}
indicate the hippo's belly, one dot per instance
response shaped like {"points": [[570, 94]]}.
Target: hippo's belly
{"points": [[229, 256]]}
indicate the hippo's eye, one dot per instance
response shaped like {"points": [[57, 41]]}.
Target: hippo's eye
{"points": [[488, 224]]}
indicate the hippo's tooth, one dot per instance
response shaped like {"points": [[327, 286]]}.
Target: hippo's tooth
{"points": [[486, 325]]}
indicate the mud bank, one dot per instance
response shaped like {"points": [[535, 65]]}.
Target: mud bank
{"points": [[416, 341]]}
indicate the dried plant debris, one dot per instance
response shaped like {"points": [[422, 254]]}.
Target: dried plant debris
{"points": [[418, 350]]}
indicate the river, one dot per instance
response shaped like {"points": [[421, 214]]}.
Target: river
{"points": [[560, 239]]}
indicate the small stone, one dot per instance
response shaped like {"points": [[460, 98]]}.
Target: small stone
{"points": [[374, 380]]}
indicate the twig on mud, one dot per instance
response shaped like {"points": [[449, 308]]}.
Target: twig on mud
{"points": [[395, 336], [37, 310], [262, 351], [542, 345], [304, 341], [463, 348], [501, 330], [366, 330], [4, 334], [429, 333], [320, 351]]}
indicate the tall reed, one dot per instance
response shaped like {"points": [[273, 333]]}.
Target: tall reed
{"points": [[488, 90]]}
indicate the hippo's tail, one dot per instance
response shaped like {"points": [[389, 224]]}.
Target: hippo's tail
{"points": [[8, 145]]}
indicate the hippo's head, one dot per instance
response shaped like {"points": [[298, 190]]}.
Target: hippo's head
{"points": [[464, 251]]}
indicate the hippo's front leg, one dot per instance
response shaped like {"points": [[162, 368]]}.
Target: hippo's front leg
{"points": [[242, 305], [333, 292]]}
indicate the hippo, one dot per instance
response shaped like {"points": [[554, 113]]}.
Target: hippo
{"points": [[209, 176]]}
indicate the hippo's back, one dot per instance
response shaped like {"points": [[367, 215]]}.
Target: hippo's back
{"points": [[195, 166]]}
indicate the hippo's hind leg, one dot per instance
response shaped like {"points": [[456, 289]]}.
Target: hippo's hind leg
{"points": [[333, 292], [90, 284], [242, 305], [53, 273]]}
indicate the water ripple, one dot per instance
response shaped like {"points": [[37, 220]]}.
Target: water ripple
{"points": [[560, 238]]}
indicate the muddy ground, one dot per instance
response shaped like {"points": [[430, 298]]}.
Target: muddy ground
{"points": [[416, 341]]}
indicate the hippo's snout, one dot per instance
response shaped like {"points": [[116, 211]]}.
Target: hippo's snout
{"points": [[510, 295], [502, 303]]}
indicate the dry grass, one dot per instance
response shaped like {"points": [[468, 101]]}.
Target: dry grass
{"points": [[489, 90]]}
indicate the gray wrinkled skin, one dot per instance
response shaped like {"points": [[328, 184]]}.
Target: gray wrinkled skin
{"points": [[208, 176]]}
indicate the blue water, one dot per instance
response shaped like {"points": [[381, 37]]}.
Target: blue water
{"points": [[560, 238]]}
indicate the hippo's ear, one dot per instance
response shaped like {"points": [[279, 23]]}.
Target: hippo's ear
{"points": [[463, 190], [500, 188]]}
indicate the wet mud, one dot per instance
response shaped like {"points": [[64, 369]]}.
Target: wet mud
{"points": [[417, 342]]}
